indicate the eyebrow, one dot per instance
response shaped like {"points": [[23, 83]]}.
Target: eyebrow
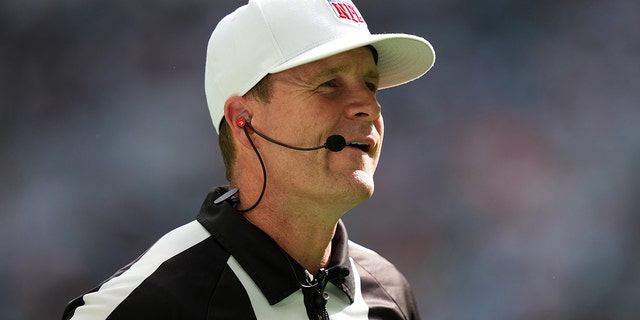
{"points": [[328, 73]]}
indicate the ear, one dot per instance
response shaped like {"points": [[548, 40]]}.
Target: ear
{"points": [[235, 108]]}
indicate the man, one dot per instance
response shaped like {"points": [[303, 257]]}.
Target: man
{"points": [[291, 87]]}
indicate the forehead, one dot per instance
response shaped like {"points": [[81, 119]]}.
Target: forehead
{"points": [[359, 60]]}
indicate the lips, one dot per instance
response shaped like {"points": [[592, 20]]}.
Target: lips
{"points": [[364, 146]]}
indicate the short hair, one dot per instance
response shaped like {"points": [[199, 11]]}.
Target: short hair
{"points": [[261, 92]]}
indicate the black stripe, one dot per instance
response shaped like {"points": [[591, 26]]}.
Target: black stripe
{"points": [[230, 300], [181, 288]]}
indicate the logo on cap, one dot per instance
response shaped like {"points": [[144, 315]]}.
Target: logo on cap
{"points": [[346, 10]]}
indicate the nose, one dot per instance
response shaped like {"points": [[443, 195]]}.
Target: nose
{"points": [[363, 104]]}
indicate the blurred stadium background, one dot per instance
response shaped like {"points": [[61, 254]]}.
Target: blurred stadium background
{"points": [[508, 187]]}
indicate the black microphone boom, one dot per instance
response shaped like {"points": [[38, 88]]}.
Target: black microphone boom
{"points": [[334, 143]]}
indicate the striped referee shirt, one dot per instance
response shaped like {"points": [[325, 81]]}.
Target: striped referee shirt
{"points": [[221, 266]]}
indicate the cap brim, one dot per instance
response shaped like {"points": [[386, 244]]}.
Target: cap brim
{"points": [[401, 57]]}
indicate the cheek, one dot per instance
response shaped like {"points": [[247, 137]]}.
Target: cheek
{"points": [[308, 115], [291, 124]]}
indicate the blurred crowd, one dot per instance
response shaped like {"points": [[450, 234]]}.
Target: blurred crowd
{"points": [[507, 187]]}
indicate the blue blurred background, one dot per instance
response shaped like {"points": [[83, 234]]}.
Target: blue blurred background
{"points": [[507, 188]]}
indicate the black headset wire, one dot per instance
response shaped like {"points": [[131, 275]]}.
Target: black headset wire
{"points": [[264, 173], [280, 143]]}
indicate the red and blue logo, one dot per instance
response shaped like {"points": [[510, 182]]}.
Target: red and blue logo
{"points": [[346, 10]]}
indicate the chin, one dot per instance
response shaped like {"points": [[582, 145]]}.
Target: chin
{"points": [[353, 191], [363, 185]]}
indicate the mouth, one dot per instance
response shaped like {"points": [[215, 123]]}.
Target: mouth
{"points": [[360, 145]]}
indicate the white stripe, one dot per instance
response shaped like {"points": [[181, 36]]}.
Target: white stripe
{"points": [[99, 304], [338, 310], [293, 307]]}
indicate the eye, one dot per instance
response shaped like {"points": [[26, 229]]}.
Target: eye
{"points": [[331, 83], [372, 86]]}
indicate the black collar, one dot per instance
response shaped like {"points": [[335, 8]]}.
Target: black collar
{"points": [[271, 268]]}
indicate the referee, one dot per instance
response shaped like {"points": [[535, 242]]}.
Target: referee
{"points": [[291, 88]]}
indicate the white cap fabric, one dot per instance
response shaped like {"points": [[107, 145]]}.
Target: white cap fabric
{"points": [[269, 36]]}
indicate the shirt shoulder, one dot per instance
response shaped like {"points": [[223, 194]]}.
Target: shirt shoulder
{"points": [[176, 278], [384, 287]]}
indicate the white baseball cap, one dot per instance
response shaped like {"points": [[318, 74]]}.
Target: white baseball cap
{"points": [[269, 36]]}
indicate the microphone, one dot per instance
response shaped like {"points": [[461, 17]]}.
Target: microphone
{"points": [[334, 143]]}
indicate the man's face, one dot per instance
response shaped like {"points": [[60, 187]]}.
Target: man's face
{"points": [[309, 103]]}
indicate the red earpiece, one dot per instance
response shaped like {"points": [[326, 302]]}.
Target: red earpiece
{"points": [[242, 121]]}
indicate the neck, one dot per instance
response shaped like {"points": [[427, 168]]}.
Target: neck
{"points": [[308, 241], [302, 227]]}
